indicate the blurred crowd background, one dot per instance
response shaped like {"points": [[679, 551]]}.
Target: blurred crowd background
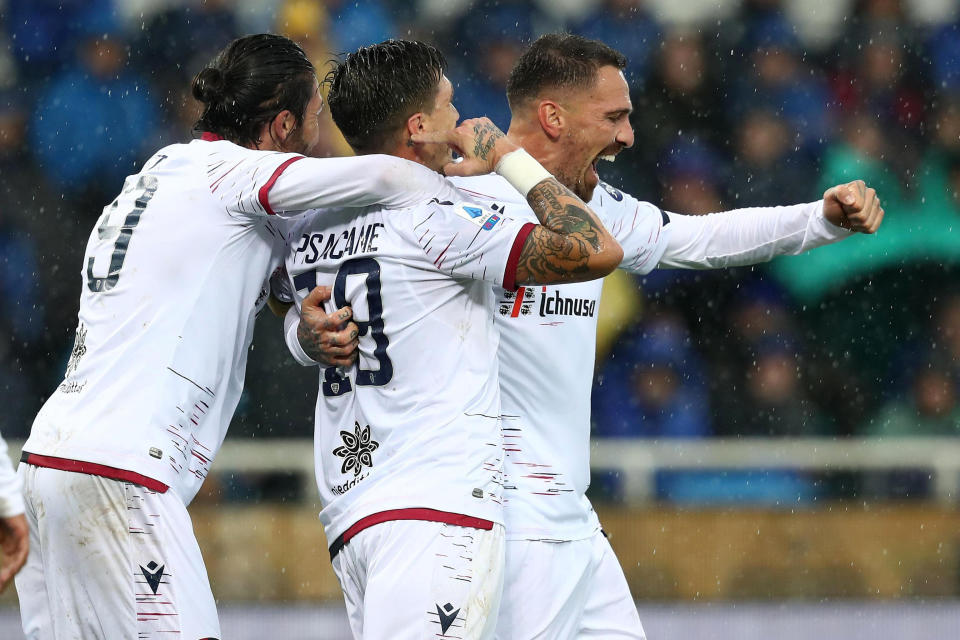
{"points": [[737, 104]]}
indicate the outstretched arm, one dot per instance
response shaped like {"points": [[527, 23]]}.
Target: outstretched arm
{"points": [[750, 236]]}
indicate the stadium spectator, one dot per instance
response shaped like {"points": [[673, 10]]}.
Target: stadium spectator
{"points": [[931, 408], [631, 24], [779, 78], [87, 159], [45, 33], [680, 99], [653, 387], [766, 168], [179, 39], [489, 38], [359, 23]]}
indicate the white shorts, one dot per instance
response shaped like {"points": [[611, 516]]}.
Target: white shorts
{"points": [[566, 590], [411, 579], [112, 560]]}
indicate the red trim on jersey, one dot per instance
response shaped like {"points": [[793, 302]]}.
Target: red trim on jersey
{"points": [[211, 137], [518, 303], [93, 469], [510, 273], [265, 189], [476, 193], [415, 513]]}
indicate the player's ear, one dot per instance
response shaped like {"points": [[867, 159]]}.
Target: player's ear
{"points": [[551, 118], [415, 123], [282, 125]]}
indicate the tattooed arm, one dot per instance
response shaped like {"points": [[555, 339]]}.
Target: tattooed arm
{"points": [[570, 244]]}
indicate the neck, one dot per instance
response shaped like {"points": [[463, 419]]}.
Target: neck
{"points": [[531, 137], [402, 150]]}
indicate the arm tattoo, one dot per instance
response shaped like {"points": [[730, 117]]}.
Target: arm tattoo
{"points": [[485, 137], [568, 236]]}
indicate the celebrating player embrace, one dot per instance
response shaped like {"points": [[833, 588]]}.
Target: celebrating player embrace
{"points": [[409, 452], [570, 109], [175, 271]]}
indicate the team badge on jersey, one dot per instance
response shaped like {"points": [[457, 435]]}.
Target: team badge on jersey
{"points": [[357, 449], [616, 195]]}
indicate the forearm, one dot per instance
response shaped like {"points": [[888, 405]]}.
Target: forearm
{"points": [[746, 236], [359, 181], [570, 245]]}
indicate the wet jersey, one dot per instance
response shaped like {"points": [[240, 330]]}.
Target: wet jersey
{"points": [[548, 339], [415, 423], [174, 274]]}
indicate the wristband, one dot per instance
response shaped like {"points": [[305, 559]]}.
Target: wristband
{"points": [[522, 171]]}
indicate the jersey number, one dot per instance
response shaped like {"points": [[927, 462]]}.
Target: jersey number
{"points": [[335, 384], [141, 193]]}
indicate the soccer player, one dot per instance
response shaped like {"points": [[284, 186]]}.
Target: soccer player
{"points": [[13, 524], [570, 109], [408, 444], [175, 272]]}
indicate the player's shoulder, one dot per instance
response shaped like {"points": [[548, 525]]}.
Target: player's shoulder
{"points": [[217, 151], [487, 188], [458, 212], [611, 204]]}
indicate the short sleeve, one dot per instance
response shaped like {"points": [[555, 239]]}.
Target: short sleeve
{"points": [[243, 179], [254, 183], [640, 228], [468, 240]]}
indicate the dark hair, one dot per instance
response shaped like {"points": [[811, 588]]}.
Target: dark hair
{"points": [[559, 61], [376, 88], [248, 83]]}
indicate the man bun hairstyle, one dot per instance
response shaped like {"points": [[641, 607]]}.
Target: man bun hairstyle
{"points": [[559, 61], [251, 81], [375, 89]]}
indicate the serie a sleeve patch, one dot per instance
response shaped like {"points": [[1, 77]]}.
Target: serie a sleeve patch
{"points": [[477, 214]]}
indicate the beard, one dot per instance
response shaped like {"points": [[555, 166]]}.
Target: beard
{"points": [[295, 143], [576, 182]]}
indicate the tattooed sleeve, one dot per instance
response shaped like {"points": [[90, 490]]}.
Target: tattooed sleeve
{"points": [[569, 236]]}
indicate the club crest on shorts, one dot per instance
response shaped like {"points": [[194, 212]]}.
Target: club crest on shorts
{"points": [[357, 449]]}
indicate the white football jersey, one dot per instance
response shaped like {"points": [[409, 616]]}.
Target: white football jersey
{"points": [[174, 274], [547, 348], [548, 338], [415, 423]]}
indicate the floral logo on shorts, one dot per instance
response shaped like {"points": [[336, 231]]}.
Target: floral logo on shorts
{"points": [[357, 449]]}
